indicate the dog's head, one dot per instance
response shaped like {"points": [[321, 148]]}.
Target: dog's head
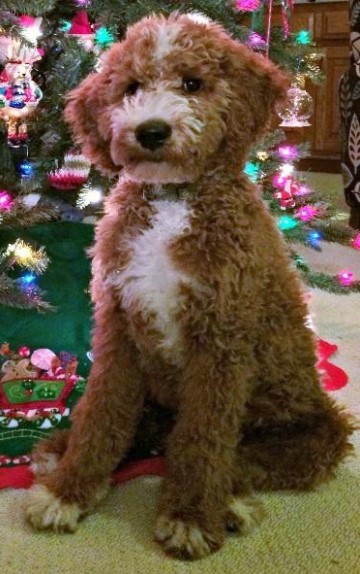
{"points": [[175, 93]]}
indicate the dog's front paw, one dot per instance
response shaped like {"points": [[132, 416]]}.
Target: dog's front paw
{"points": [[244, 514], [185, 540], [45, 510]]}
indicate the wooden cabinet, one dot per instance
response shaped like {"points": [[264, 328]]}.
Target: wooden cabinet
{"points": [[328, 23]]}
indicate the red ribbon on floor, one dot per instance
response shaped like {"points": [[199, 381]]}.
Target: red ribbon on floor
{"points": [[333, 377]]}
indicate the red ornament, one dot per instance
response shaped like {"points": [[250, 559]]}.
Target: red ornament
{"points": [[74, 172], [24, 351], [285, 195], [333, 377], [80, 24]]}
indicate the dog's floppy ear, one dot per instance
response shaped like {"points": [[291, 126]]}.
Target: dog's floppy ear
{"points": [[88, 115], [257, 84]]}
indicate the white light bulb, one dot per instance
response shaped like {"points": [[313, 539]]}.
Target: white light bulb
{"points": [[286, 169]]}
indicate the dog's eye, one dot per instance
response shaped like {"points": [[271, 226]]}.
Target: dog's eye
{"points": [[132, 88], [192, 84]]}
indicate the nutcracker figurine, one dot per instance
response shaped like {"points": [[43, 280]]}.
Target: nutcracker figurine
{"points": [[19, 96]]}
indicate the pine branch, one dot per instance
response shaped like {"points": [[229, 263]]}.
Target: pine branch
{"points": [[11, 295]]}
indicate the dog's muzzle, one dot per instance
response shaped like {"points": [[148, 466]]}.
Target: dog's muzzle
{"points": [[153, 134]]}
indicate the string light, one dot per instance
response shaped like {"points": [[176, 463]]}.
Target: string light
{"points": [[303, 190], [314, 238], [252, 171], [303, 37], [279, 181], [256, 41], [285, 223], [89, 196], [345, 278], [65, 26], [6, 201], [306, 212], [262, 155], [356, 241], [248, 5], [286, 169], [30, 28], [103, 37], [288, 152], [27, 280], [25, 256]]}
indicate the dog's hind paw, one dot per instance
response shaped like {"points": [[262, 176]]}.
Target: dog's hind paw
{"points": [[46, 511], [184, 540], [244, 514]]}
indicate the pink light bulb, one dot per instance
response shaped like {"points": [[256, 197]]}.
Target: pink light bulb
{"points": [[279, 181], [303, 190], [287, 152], [5, 200], [306, 213], [345, 278], [356, 241], [248, 5]]}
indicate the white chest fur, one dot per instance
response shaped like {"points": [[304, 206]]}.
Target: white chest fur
{"points": [[150, 283]]}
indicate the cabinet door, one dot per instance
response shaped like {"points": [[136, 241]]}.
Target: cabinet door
{"points": [[326, 133], [332, 23], [299, 20]]}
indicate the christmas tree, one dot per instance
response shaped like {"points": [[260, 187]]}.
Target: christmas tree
{"points": [[48, 46]]}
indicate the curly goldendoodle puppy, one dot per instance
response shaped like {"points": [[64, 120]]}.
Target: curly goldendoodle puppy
{"points": [[197, 304]]}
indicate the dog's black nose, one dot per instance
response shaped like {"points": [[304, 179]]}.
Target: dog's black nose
{"points": [[153, 134]]}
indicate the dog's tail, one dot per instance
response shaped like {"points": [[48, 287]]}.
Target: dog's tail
{"points": [[299, 455]]}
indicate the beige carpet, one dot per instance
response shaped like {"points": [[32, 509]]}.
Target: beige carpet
{"points": [[317, 533]]}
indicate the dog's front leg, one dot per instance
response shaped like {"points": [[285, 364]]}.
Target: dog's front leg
{"points": [[197, 492], [103, 426]]}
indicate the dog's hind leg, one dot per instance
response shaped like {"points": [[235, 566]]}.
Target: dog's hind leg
{"points": [[297, 455]]}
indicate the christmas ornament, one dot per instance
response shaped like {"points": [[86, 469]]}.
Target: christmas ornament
{"points": [[19, 96], [74, 172], [24, 351], [285, 195], [26, 169], [82, 30], [42, 359], [297, 109], [17, 370]]}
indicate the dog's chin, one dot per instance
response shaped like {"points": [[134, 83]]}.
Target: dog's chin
{"points": [[158, 172]]}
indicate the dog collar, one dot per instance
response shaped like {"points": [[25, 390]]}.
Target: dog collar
{"points": [[169, 192]]}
